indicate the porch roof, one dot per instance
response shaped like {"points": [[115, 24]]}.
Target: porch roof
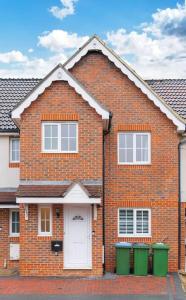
{"points": [[94, 191], [72, 193]]}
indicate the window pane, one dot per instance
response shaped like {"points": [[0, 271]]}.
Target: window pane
{"points": [[138, 141], [129, 155], [64, 130], [122, 156], [142, 222], [15, 221], [138, 155], [145, 155], [64, 144], [72, 130], [48, 226], [145, 141], [51, 137], [122, 142], [54, 131], [54, 143], [45, 219], [126, 148], [47, 130], [48, 143], [72, 144], [13, 228], [15, 154], [142, 148], [129, 140], [47, 213], [126, 221], [42, 226]]}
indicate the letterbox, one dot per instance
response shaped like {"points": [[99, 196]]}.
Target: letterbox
{"points": [[56, 246]]}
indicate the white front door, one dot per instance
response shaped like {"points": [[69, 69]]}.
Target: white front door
{"points": [[77, 237]]}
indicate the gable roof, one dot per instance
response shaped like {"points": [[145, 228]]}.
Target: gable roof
{"points": [[59, 73], [96, 44]]}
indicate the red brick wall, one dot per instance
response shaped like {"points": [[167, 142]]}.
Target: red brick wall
{"points": [[36, 256], [5, 241], [154, 186], [58, 102]]}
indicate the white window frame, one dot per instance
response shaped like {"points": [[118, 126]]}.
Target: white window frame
{"points": [[13, 234], [59, 137], [40, 233], [10, 154], [134, 148], [135, 234]]}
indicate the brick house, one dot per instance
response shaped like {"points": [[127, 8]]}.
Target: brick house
{"points": [[90, 155]]}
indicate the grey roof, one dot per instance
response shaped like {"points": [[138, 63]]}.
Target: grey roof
{"points": [[173, 91], [12, 91]]}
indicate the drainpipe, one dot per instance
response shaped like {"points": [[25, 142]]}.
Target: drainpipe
{"points": [[103, 193], [179, 203]]}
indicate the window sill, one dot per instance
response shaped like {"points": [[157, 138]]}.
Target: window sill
{"points": [[134, 166], [14, 236], [44, 235], [134, 236]]}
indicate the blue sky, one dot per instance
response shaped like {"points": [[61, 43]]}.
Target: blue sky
{"points": [[35, 35]]}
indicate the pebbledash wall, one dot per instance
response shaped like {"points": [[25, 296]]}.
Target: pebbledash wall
{"points": [[58, 103], [9, 174], [153, 186]]}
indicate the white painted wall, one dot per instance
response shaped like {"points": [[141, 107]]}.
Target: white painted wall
{"points": [[9, 177], [183, 172]]}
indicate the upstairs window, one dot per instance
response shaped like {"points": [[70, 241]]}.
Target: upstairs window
{"points": [[14, 222], [60, 137], [14, 150], [134, 148], [134, 222]]}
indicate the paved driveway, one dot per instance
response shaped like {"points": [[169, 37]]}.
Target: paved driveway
{"points": [[110, 287]]}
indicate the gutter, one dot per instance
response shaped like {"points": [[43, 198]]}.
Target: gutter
{"points": [[103, 194], [179, 203]]}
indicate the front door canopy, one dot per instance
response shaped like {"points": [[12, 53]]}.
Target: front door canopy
{"points": [[75, 194]]}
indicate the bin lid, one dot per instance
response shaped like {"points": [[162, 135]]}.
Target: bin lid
{"points": [[160, 246], [141, 246], [123, 245]]}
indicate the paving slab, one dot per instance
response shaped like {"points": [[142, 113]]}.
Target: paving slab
{"points": [[110, 287]]}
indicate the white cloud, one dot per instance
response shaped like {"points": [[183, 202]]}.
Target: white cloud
{"points": [[12, 56], [30, 50], [170, 21], [62, 43], [60, 40], [36, 67], [67, 9], [157, 49]]}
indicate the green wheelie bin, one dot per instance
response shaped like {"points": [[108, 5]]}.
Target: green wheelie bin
{"points": [[141, 253], [123, 258], [160, 259]]}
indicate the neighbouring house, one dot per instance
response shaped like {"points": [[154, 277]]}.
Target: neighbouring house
{"points": [[89, 156]]}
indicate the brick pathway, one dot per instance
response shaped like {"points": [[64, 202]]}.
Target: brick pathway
{"points": [[116, 285]]}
